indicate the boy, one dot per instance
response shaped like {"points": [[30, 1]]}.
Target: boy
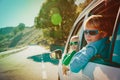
{"points": [[73, 49], [96, 34]]}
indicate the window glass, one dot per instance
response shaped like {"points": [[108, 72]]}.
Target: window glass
{"points": [[110, 12], [116, 52], [76, 31]]}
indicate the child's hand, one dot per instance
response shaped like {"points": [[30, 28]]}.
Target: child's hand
{"points": [[65, 69]]}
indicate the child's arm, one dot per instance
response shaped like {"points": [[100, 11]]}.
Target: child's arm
{"points": [[81, 59], [68, 58]]}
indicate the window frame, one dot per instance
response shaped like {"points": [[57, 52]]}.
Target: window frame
{"points": [[75, 31], [114, 36], [116, 26]]}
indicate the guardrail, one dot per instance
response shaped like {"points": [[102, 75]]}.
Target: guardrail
{"points": [[7, 53]]}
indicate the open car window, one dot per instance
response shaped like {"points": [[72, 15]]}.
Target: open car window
{"points": [[116, 51], [77, 32], [110, 12]]}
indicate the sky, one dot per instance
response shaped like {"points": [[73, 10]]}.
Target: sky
{"points": [[13, 12], [77, 2]]}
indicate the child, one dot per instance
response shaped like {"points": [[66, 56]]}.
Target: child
{"points": [[96, 33], [73, 49]]}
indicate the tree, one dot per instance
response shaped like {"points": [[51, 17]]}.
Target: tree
{"points": [[50, 8], [68, 12], [21, 26]]}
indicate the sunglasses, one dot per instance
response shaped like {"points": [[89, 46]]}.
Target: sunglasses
{"points": [[91, 32], [73, 43]]}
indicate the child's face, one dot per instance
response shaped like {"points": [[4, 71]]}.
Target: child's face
{"points": [[92, 34], [74, 44]]}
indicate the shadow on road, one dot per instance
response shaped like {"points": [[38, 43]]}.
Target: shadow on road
{"points": [[45, 57]]}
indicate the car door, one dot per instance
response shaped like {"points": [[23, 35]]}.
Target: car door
{"points": [[107, 70], [97, 70]]}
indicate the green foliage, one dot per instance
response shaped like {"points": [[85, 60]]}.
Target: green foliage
{"points": [[56, 19], [68, 11], [68, 14], [21, 26], [1, 37], [6, 30], [15, 40], [19, 36], [2, 49], [4, 45], [82, 6], [52, 34]]}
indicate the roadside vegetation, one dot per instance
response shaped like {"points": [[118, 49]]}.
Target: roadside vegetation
{"points": [[56, 28], [51, 26], [17, 37]]}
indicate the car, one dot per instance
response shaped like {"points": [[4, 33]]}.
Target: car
{"points": [[97, 69]]}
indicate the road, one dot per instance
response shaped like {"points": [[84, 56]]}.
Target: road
{"points": [[32, 63]]}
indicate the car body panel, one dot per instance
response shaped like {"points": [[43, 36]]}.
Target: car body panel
{"points": [[95, 70]]}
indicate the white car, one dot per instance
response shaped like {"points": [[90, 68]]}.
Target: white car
{"points": [[97, 69]]}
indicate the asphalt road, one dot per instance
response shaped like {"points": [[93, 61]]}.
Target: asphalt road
{"points": [[32, 63]]}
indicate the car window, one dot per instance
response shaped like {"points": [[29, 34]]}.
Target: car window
{"points": [[116, 52], [76, 31], [110, 12]]}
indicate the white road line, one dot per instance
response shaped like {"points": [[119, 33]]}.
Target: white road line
{"points": [[43, 66], [44, 74]]}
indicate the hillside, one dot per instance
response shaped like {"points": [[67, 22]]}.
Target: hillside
{"points": [[10, 40], [6, 30]]}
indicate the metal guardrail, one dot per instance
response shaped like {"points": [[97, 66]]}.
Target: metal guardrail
{"points": [[6, 53]]}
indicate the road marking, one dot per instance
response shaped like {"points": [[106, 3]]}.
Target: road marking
{"points": [[43, 66], [44, 74]]}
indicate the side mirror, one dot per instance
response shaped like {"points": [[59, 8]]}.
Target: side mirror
{"points": [[56, 54]]}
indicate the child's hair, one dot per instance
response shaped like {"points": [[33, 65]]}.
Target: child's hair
{"points": [[74, 37], [99, 22]]}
